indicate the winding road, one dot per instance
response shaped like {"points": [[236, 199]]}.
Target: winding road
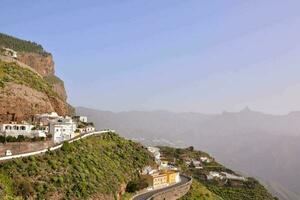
{"points": [[149, 194]]}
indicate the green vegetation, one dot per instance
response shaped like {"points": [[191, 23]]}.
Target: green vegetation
{"points": [[127, 196], [200, 192], [20, 45], [94, 165], [136, 185], [251, 189], [11, 72], [53, 80], [21, 138], [214, 189]]}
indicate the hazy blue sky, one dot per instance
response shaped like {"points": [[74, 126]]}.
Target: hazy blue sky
{"points": [[180, 55]]}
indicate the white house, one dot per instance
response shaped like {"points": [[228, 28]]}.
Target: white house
{"points": [[9, 52], [213, 175], [89, 128], [233, 177], [148, 170], [81, 119], [15, 129], [38, 133], [205, 159], [46, 118], [156, 153], [197, 164], [62, 129]]}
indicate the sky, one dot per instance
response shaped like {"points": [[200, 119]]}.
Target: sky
{"points": [[183, 56]]}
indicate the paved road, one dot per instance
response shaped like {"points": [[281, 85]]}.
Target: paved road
{"points": [[147, 195]]}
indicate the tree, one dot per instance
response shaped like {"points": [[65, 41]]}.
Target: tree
{"points": [[131, 187], [191, 148]]}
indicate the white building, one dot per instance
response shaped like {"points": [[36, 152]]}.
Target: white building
{"points": [[233, 177], [205, 159], [81, 119], [156, 153], [62, 129], [9, 52], [164, 164], [46, 118], [197, 164], [213, 175], [15, 129], [38, 133], [89, 128], [148, 170]]}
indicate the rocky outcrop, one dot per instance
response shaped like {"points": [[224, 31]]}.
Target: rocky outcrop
{"points": [[57, 86], [19, 102], [42, 63], [60, 90]]}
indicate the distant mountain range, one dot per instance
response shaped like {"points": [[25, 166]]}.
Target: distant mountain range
{"points": [[257, 144]]}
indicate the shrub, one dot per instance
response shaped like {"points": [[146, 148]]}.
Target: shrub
{"points": [[24, 188]]}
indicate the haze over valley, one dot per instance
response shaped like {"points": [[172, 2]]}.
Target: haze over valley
{"points": [[257, 144]]}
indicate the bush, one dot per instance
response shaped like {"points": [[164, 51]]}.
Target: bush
{"points": [[136, 185], [132, 187], [24, 188], [66, 147]]}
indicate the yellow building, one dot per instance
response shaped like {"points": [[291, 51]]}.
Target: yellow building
{"points": [[172, 176], [162, 179], [156, 180]]}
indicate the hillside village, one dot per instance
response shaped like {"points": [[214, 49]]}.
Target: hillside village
{"points": [[47, 126], [24, 124], [159, 176], [52, 129]]}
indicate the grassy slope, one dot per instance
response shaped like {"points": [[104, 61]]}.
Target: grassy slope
{"points": [[251, 189], [200, 192], [99, 164], [52, 80], [11, 72]]}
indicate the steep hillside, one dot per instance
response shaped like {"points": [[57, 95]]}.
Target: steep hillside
{"points": [[93, 168], [257, 144], [30, 54], [216, 189]]}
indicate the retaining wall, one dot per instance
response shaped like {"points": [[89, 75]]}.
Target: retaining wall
{"points": [[173, 193], [51, 148]]}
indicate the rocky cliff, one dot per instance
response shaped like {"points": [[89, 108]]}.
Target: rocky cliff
{"points": [[25, 92], [42, 63]]}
